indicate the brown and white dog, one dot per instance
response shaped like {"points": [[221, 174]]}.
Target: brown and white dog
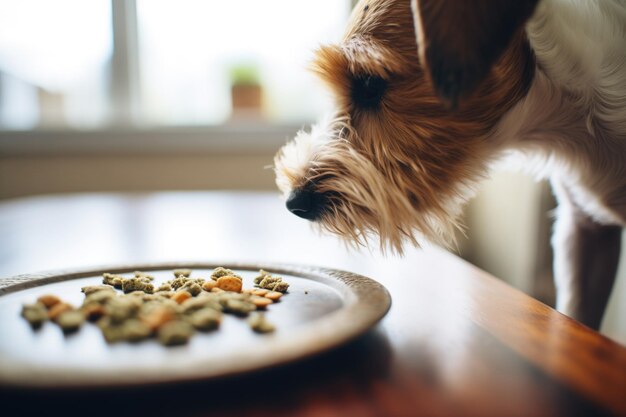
{"points": [[429, 93]]}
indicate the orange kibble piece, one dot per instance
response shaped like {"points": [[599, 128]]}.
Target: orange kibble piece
{"points": [[216, 290], [260, 291], [57, 309], [209, 285], [180, 296], [260, 302], [158, 317], [274, 295], [229, 283], [49, 300]]}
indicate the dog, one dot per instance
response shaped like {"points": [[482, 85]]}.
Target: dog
{"points": [[430, 93]]}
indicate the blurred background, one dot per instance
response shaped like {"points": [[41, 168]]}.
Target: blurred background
{"points": [[142, 95]]}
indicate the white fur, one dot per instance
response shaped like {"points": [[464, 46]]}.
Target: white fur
{"points": [[298, 153], [573, 119], [573, 124]]}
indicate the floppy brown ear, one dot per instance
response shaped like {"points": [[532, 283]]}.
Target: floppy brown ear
{"points": [[459, 40]]}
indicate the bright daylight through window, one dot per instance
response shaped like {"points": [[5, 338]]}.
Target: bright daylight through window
{"points": [[148, 63]]}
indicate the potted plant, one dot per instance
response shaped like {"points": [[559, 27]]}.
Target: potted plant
{"points": [[246, 91]]}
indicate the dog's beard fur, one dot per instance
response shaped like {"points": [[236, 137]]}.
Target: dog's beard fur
{"points": [[405, 167], [388, 196]]}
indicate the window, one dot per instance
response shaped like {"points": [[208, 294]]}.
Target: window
{"points": [[54, 58], [151, 63]]}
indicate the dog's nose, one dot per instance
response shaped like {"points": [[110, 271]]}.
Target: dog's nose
{"points": [[305, 203]]}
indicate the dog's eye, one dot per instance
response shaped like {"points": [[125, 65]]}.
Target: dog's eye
{"points": [[368, 91]]}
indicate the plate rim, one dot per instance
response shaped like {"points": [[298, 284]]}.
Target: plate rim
{"points": [[366, 302]]}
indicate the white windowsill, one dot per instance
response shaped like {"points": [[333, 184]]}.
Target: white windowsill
{"points": [[249, 138]]}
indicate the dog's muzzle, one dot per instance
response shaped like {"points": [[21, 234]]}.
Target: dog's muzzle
{"points": [[306, 203]]}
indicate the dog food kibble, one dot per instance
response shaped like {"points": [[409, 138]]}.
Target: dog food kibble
{"points": [[143, 275], [223, 272], [36, 314], [274, 295], [48, 300], [205, 319], [176, 332], [57, 309], [70, 321], [192, 288], [90, 289], [209, 285], [230, 283], [259, 324], [93, 312], [180, 296], [260, 302], [137, 284], [270, 282], [112, 279], [182, 271], [170, 311]]}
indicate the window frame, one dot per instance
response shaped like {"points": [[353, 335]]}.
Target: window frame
{"points": [[124, 134]]}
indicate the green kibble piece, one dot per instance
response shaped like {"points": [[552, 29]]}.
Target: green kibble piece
{"points": [[164, 287], [91, 289], [70, 321], [113, 279], [178, 282], [259, 324], [280, 286], [36, 314], [194, 304], [98, 297], [182, 271], [192, 288], [259, 278], [223, 272], [137, 284], [122, 308], [112, 334], [176, 332], [164, 295], [134, 330], [238, 307], [143, 276], [205, 319]]}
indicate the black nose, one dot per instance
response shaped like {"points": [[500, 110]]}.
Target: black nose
{"points": [[305, 203]]}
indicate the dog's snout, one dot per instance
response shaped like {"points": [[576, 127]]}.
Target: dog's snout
{"points": [[305, 203]]}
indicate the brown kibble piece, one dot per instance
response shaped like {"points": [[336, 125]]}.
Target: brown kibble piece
{"points": [[49, 300], [57, 309], [180, 296], [229, 283], [274, 295], [260, 302], [260, 291], [94, 312]]}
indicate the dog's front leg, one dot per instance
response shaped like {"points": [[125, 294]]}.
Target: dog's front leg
{"points": [[586, 255]]}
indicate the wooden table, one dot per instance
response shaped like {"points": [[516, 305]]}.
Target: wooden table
{"points": [[457, 342]]}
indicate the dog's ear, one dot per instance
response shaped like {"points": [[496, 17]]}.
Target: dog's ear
{"points": [[459, 41]]}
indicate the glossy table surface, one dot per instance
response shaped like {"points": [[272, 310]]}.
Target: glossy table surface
{"points": [[456, 342]]}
